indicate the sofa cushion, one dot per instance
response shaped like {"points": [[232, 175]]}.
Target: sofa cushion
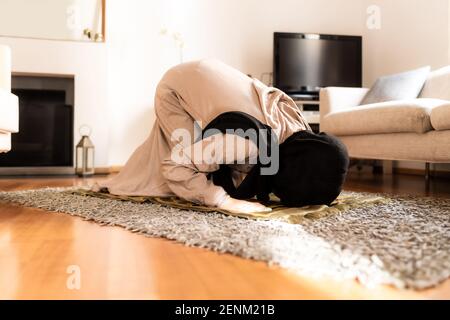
{"points": [[440, 117], [386, 117], [437, 85], [402, 86]]}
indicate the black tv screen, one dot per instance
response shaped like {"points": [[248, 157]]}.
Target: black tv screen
{"points": [[304, 63]]}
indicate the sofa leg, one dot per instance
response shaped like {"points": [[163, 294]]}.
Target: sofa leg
{"points": [[427, 171], [388, 167]]}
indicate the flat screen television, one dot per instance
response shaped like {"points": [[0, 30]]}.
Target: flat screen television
{"points": [[304, 63]]}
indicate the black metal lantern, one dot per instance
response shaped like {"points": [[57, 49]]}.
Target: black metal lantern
{"points": [[85, 151]]}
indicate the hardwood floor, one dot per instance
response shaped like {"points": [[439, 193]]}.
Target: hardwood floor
{"points": [[37, 248]]}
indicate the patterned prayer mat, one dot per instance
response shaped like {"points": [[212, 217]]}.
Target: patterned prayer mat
{"points": [[279, 212], [403, 241]]}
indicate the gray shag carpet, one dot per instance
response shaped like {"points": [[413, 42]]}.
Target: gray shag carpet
{"points": [[404, 242]]}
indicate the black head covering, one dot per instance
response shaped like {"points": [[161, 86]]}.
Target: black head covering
{"points": [[254, 183], [312, 169]]}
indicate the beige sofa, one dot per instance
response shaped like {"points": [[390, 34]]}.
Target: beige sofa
{"points": [[9, 103], [410, 130]]}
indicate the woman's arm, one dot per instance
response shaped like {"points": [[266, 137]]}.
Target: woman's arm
{"points": [[187, 168]]}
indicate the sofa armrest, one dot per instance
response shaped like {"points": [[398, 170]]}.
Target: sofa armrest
{"points": [[5, 142], [334, 99], [9, 112]]}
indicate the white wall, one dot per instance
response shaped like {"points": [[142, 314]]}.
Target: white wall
{"points": [[413, 33]]}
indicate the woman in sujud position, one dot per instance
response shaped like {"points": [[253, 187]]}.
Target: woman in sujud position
{"points": [[222, 138]]}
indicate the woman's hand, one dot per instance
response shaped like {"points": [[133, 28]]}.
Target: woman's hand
{"points": [[241, 206]]}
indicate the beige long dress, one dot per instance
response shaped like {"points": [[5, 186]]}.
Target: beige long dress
{"points": [[198, 92]]}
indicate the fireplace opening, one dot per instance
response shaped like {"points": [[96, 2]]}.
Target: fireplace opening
{"points": [[44, 143]]}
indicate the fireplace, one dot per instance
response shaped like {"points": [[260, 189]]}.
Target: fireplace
{"points": [[44, 144]]}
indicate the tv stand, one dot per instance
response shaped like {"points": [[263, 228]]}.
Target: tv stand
{"points": [[309, 105], [305, 96]]}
